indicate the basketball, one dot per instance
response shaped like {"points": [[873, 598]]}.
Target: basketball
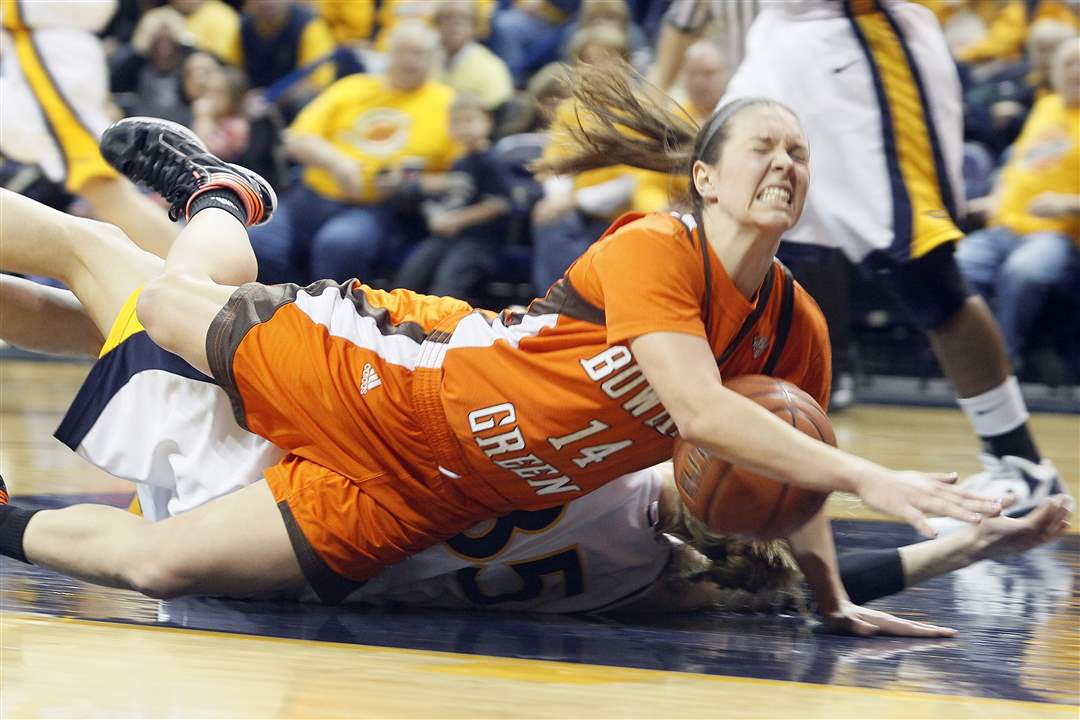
{"points": [[733, 501]]}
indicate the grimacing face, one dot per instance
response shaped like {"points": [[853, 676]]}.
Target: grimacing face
{"points": [[763, 171]]}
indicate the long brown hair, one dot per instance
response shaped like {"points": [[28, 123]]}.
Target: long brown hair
{"points": [[622, 119]]}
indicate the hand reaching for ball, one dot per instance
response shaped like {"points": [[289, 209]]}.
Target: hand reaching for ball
{"points": [[911, 496]]}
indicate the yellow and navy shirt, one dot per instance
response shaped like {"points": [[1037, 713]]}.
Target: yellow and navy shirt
{"points": [[380, 127]]}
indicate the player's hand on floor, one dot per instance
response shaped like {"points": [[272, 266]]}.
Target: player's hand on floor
{"points": [[911, 496], [852, 619]]}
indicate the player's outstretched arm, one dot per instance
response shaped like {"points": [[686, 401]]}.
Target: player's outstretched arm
{"points": [[683, 372], [812, 546]]}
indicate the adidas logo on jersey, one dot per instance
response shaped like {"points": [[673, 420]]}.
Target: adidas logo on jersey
{"points": [[369, 379]]}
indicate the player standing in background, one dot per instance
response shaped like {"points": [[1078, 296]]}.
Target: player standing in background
{"points": [[877, 89], [54, 91]]}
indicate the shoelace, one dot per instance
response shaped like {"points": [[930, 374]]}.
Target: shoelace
{"points": [[174, 181]]}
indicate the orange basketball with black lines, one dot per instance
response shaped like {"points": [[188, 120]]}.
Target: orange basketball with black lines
{"points": [[733, 501]]}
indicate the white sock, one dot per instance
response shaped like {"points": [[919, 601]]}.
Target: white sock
{"points": [[997, 411]]}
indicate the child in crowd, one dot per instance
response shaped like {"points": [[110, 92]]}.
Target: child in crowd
{"points": [[467, 217], [218, 116]]}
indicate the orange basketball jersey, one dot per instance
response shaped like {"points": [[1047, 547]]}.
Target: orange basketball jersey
{"points": [[544, 406], [410, 418]]}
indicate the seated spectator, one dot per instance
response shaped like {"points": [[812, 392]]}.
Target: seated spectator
{"points": [[280, 36], [996, 103], [217, 114], [351, 24], [1032, 242], [533, 110], [519, 31], [705, 77], [214, 27], [356, 142], [148, 78], [468, 221], [392, 12], [982, 31], [575, 211], [468, 66], [615, 14]]}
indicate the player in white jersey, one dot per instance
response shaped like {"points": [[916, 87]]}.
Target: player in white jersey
{"points": [[878, 93], [614, 549], [55, 89]]}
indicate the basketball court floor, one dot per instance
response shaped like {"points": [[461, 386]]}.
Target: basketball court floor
{"points": [[68, 649]]}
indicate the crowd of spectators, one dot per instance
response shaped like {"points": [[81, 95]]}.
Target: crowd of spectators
{"points": [[398, 132]]}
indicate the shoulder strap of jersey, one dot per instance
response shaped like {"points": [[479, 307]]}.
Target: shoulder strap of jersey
{"points": [[783, 323], [764, 295]]}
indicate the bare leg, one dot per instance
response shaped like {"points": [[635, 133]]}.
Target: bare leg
{"points": [[117, 201], [45, 319], [971, 349], [993, 538], [95, 260], [235, 545], [215, 245], [209, 260]]}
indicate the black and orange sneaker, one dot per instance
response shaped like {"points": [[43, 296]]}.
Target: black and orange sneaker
{"points": [[170, 159], [3, 492]]}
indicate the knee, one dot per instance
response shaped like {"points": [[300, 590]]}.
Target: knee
{"points": [[155, 307], [158, 579], [156, 570]]}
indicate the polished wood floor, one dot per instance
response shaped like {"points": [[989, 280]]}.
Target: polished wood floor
{"points": [[70, 650]]}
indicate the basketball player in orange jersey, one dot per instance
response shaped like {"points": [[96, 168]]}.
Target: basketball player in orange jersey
{"points": [[409, 418], [608, 550]]}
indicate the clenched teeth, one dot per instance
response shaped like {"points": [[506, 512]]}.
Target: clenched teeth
{"points": [[775, 194]]}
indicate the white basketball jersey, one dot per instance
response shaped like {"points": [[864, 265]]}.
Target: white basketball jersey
{"points": [[592, 554]]}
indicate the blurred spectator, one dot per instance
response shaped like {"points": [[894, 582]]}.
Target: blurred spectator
{"points": [[149, 73], [533, 110], [995, 103], [1032, 242], [392, 12], [704, 78], [278, 37], [982, 31], [575, 211], [615, 14], [351, 23], [357, 141], [214, 27], [468, 222], [217, 116], [469, 66], [597, 45], [527, 27]]}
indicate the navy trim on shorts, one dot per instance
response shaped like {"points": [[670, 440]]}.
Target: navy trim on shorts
{"points": [[944, 187], [331, 587], [902, 222], [110, 374]]}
